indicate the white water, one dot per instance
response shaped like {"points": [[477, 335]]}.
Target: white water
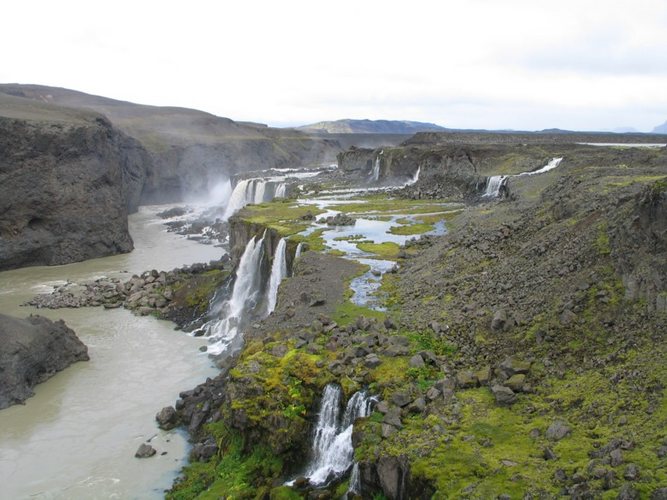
{"points": [[299, 249], [355, 481], [255, 191], [414, 178], [224, 331], [333, 454], [496, 182], [375, 173], [278, 272], [549, 166], [280, 190], [494, 185]]}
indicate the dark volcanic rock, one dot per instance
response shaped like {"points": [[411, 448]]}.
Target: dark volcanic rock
{"points": [[66, 188], [31, 351]]}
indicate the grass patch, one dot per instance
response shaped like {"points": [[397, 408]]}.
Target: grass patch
{"points": [[411, 229], [387, 250]]}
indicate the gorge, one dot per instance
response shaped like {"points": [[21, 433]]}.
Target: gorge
{"points": [[389, 327]]}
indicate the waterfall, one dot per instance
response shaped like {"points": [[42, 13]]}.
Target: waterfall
{"points": [[549, 166], [219, 194], [333, 454], [414, 178], [496, 182], [278, 272], [493, 186], [253, 191], [260, 190], [299, 249], [375, 173], [244, 298], [355, 481]]}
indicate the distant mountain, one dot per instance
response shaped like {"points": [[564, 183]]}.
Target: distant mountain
{"points": [[660, 129], [372, 127], [625, 130]]}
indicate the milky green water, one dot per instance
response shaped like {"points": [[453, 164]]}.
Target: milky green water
{"points": [[77, 436]]}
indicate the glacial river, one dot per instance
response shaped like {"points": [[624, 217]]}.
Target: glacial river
{"points": [[77, 436]]}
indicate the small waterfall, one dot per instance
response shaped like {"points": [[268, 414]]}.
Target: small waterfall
{"points": [[414, 178], [333, 454], [253, 191], [355, 481], [244, 298], [549, 166], [493, 186], [281, 190], [496, 182], [278, 272], [375, 173], [260, 191], [299, 249]]}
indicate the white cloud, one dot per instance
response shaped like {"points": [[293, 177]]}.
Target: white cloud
{"points": [[510, 64]]}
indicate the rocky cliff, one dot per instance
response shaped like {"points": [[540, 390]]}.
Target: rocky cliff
{"points": [[32, 350], [68, 181], [190, 150]]}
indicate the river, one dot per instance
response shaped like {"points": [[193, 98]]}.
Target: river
{"points": [[77, 436]]}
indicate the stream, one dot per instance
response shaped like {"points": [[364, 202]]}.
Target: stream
{"points": [[77, 436]]}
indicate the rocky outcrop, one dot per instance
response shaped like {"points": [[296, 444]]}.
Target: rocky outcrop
{"points": [[640, 247], [31, 351], [66, 187], [450, 172]]}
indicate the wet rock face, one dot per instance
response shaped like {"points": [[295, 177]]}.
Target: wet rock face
{"points": [[65, 191], [31, 351]]}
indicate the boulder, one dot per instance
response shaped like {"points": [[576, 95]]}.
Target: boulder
{"points": [[145, 451], [499, 321], [504, 395], [167, 418], [516, 382], [416, 361], [557, 430], [31, 351], [511, 366], [466, 379]]}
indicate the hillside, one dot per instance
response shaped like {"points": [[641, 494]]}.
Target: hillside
{"points": [[348, 126], [189, 149], [660, 129]]}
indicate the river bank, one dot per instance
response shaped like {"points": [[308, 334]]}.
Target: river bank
{"points": [[77, 436]]}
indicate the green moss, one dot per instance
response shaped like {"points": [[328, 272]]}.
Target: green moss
{"points": [[602, 241], [313, 241], [196, 291], [348, 312], [428, 340], [284, 216], [233, 474], [387, 250], [411, 229]]}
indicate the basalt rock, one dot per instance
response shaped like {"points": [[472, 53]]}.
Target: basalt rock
{"points": [[31, 351], [66, 186]]}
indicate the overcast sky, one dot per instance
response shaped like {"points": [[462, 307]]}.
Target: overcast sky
{"points": [[576, 64]]}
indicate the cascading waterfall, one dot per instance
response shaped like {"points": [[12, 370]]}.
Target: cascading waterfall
{"points": [[494, 185], [355, 481], [278, 272], [224, 331], [414, 178], [333, 454], [375, 173], [253, 191], [299, 249], [549, 166], [496, 182]]}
